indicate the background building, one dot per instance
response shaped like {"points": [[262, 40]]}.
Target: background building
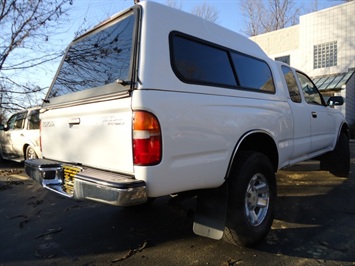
{"points": [[323, 46]]}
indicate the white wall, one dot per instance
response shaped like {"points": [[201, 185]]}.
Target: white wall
{"points": [[328, 25]]}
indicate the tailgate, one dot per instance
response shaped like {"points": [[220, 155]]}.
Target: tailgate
{"points": [[97, 134]]}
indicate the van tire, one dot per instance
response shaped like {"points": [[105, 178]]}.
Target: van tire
{"points": [[251, 172]]}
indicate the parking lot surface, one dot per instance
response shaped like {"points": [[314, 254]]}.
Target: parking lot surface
{"points": [[314, 225]]}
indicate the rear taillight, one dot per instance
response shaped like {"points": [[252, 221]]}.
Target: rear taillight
{"points": [[147, 147]]}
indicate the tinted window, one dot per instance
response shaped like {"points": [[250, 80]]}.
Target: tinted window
{"points": [[310, 92], [33, 120], [253, 73], [291, 85], [17, 121], [98, 59], [198, 62]]}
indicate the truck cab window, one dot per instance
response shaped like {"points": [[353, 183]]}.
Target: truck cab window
{"points": [[310, 91], [291, 85]]}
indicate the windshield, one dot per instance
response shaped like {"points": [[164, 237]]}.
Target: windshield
{"points": [[96, 60]]}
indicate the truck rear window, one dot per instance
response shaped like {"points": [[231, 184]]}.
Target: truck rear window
{"points": [[96, 60]]}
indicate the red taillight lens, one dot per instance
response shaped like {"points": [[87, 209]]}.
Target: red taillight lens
{"points": [[147, 148]]}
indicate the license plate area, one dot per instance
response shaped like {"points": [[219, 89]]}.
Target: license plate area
{"points": [[69, 173]]}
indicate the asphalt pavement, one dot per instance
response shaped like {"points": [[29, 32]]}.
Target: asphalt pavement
{"points": [[314, 225]]}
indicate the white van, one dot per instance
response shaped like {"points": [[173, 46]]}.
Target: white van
{"points": [[19, 137]]}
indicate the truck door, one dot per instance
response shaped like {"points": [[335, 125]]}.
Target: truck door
{"points": [[301, 119], [322, 119]]}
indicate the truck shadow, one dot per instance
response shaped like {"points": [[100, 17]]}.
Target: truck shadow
{"points": [[314, 219], [313, 223], [5, 164], [315, 214]]}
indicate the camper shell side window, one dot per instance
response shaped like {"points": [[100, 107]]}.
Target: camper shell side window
{"points": [[196, 61]]}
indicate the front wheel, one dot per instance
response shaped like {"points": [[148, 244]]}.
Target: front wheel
{"points": [[251, 199]]}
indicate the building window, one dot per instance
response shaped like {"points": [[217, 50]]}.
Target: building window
{"points": [[284, 59], [325, 55]]}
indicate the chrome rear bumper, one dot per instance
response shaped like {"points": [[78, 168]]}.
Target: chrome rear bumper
{"points": [[86, 183]]}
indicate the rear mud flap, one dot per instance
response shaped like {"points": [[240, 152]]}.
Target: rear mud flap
{"points": [[211, 211]]}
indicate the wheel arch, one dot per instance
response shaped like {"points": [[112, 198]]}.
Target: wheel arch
{"points": [[25, 146], [344, 129], [259, 141], [24, 150]]}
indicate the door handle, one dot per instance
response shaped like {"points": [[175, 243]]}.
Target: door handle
{"points": [[314, 114], [74, 121]]}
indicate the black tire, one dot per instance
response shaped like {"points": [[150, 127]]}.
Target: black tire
{"points": [[337, 162], [252, 170], [30, 153]]}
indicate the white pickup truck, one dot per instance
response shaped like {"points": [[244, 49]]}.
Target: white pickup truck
{"points": [[155, 101]]}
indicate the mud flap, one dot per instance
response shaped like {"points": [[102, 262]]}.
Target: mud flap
{"points": [[211, 211]]}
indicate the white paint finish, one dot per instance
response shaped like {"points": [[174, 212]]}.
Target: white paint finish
{"points": [[201, 126], [102, 139]]}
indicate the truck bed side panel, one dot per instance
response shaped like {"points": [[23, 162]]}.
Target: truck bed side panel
{"points": [[200, 137]]}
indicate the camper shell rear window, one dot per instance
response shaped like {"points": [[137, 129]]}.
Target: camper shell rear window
{"points": [[94, 62], [196, 61]]}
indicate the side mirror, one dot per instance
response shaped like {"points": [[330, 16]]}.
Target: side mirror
{"points": [[335, 100]]}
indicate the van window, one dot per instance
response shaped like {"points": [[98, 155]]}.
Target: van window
{"points": [[97, 59], [197, 62], [17, 121], [33, 120], [200, 62]]}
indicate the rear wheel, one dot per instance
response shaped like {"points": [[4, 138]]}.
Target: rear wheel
{"points": [[30, 153], [251, 199], [337, 161]]}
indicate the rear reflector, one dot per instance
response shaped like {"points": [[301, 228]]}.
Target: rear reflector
{"points": [[147, 148]]}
